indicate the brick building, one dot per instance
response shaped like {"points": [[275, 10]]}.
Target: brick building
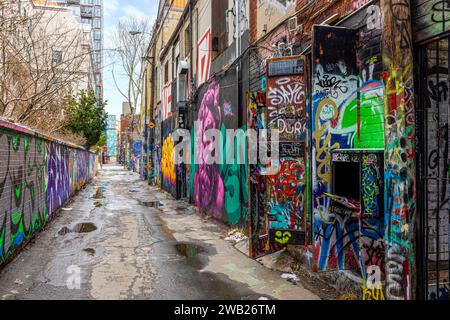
{"points": [[358, 91]]}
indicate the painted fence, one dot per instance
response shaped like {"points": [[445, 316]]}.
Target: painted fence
{"points": [[37, 176]]}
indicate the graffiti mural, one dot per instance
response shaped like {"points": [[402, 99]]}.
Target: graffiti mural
{"points": [[257, 118], [430, 18], [219, 189], [286, 104], [347, 118], [37, 177], [400, 166], [59, 176], [168, 172]]}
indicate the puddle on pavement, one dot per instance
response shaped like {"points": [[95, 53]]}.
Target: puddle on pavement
{"points": [[86, 227], [90, 251], [193, 254], [98, 204], [188, 249], [150, 204]]}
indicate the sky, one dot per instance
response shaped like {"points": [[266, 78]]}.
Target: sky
{"points": [[114, 10]]}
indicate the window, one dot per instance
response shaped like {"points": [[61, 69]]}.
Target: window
{"points": [[156, 82], [97, 35], [187, 41], [166, 72], [57, 57], [346, 179], [86, 21]]}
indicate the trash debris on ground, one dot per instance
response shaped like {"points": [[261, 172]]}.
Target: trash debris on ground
{"points": [[290, 277], [18, 281], [235, 236], [67, 209]]}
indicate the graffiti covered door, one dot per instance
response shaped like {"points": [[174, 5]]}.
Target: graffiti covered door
{"points": [[433, 177], [286, 106]]}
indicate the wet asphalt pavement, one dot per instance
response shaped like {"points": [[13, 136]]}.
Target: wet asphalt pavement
{"points": [[121, 239]]}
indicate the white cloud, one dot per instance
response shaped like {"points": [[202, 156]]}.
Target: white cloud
{"points": [[110, 6], [132, 11]]}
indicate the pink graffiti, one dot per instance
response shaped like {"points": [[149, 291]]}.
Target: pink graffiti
{"points": [[209, 190]]}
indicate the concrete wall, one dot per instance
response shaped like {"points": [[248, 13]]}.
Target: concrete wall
{"points": [[37, 176]]}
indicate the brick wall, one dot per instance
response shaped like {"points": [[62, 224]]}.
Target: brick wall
{"points": [[37, 176]]}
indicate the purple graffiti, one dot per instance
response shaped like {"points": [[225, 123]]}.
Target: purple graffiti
{"points": [[209, 188], [58, 183]]}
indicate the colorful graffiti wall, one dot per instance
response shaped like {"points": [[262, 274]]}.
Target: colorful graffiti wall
{"points": [[286, 104], [169, 176], [37, 176], [430, 18], [400, 165], [347, 127], [220, 189]]}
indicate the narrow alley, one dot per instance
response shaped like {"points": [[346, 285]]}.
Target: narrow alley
{"points": [[127, 240]]}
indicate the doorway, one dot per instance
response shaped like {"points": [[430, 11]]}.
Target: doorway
{"points": [[433, 189]]}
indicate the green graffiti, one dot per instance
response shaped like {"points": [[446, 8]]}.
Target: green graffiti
{"points": [[26, 140], [372, 121], [235, 179], [15, 217], [17, 192], [16, 142]]}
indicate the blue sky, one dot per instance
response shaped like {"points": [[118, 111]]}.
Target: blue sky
{"points": [[113, 11]]}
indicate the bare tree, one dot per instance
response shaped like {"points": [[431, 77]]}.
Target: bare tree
{"points": [[46, 59], [131, 41]]}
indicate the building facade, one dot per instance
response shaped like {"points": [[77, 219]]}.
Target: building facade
{"points": [[358, 92], [47, 57], [111, 136], [90, 13]]}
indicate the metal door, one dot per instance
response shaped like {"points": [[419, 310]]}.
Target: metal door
{"points": [[433, 170]]}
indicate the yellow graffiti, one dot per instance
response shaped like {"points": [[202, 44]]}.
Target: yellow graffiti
{"points": [[324, 149], [319, 209], [376, 293], [283, 237], [167, 160]]}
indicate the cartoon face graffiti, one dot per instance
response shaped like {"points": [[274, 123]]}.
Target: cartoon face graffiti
{"points": [[282, 237]]}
